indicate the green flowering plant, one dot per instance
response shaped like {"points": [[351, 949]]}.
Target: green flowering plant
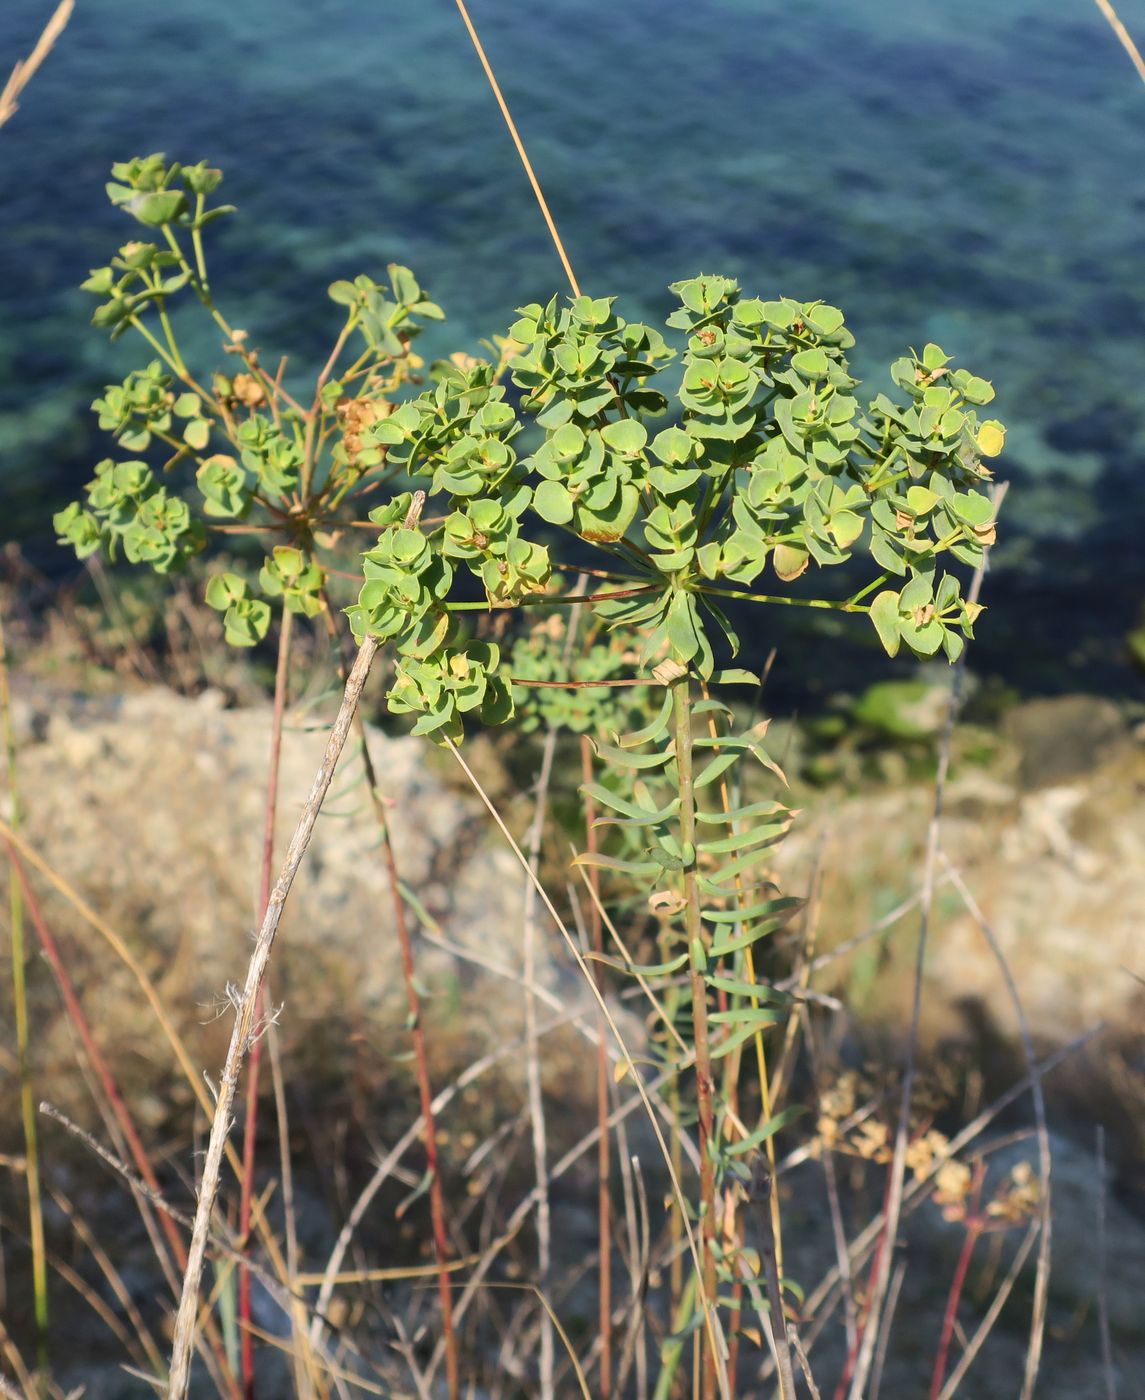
{"points": [[757, 458], [682, 470], [223, 454]]}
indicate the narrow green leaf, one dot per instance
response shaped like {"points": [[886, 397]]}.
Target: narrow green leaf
{"points": [[750, 1016], [711, 771], [771, 1127], [767, 910], [635, 869], [651, 732], [618, 803], [733, 1042], [759, 990], [621, 758]]}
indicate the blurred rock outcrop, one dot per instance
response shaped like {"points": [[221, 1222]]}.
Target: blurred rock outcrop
{"points": [[151, 805], [1049, 839]]}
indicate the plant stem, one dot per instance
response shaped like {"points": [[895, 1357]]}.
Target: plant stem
{"points": [[973, 1231], [847, 605], [603, 1199], [246, 1024], [20, 1005], [533, 1065], [421, 1059], [254, 1065], [682, 718]]}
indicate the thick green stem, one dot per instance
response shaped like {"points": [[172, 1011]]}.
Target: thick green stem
{"points": [[682, 724]]}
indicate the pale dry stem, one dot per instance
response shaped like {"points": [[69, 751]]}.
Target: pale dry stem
{"points": [[930, 868], [25, 69], [1123, 36], [186, 1317]]}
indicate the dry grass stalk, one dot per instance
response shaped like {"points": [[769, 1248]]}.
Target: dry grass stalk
{"points": [[94, 1054], [36, 1233], [986, 1326], [550, 223], [762, 1192], [246, 1029], [533, 1069], [250, 1126], [1042, 1277], [1109, 1375], [1124, 37], [712, 1323], [25, 68], [532, 1045], [894, 1203]]}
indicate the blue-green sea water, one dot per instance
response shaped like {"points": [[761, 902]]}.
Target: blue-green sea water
{"points": [[970, 173]]}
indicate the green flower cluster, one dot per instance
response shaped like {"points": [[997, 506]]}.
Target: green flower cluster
{"points": [[127, 509], [442, 688], [285, 461], [771, 460], [159, 196]]}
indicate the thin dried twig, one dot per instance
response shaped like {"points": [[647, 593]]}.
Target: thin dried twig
{"points": [[1110, 1376], [1045, 1158], [804, 1364], [762, 1187], [22, 73], [533, 1067], [254, 1065], [838, 1230], [550, 222], [885, 1329], [1123, 35], [306, 1379], [245, 1023], [930, 867], [532, 1046]]}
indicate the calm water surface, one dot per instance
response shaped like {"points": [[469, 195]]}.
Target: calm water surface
{"points": [[973, 174]]}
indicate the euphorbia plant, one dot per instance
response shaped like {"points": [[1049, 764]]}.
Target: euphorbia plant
{"points": [[679, 472], [767, 459]]}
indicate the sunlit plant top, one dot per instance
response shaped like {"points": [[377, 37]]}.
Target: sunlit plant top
{"points": [[752, 459]]}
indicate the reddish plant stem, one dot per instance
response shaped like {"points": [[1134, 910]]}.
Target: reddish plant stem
{"points": [[107, 1082], [99, 1065], [975, 1224], [603, 1202], [425, 1095], [421, 1060], [254, 1064]]}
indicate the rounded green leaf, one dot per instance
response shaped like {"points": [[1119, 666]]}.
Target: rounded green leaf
{"points": [[627, 436], [789, 561], [553, 503], [811, 364], [885, 616]]}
